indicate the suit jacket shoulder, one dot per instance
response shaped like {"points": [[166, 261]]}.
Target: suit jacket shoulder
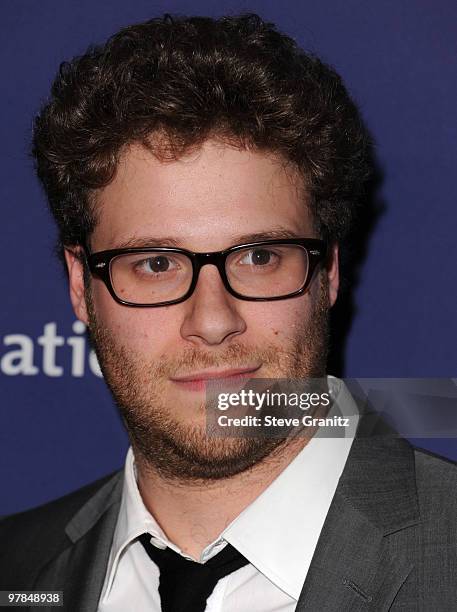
{"points": [[436, 479], [30, 539]]}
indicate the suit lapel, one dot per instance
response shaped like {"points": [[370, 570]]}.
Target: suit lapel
{"points": [[353, 567], [79, 570]]}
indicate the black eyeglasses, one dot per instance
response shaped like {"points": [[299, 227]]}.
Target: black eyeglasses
{"points": [[160, 276]]}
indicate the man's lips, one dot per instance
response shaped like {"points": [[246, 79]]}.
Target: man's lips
{"points": [[197, 381]]}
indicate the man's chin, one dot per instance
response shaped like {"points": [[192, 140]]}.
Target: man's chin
{"points": [[189, 452]]}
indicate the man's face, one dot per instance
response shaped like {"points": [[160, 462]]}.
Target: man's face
{"points": [[206, 201]]}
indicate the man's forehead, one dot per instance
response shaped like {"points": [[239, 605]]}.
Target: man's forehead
{"points": [[214, 156], [242, 195]]}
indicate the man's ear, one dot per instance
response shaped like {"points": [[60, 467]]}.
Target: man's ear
{"points": [[76, 282], [333, 274]]}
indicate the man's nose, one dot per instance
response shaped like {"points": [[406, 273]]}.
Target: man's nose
{"points": [[212, 314]]}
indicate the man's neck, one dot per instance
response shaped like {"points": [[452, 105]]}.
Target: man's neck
{"points": [[194, 515]]}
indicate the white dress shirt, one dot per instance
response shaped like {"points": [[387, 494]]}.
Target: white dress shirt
{"points": [[277, 532]]}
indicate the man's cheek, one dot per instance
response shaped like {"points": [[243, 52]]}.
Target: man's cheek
{"points": [[138, 329]]}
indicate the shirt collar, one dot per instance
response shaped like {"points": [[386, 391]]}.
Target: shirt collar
{"points": [[133, 520], [279, 530]]}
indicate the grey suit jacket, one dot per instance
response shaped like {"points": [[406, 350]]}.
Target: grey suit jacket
{"points": [[389, 541]]}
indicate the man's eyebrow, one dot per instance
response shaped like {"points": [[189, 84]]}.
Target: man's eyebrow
{"points": [[275, 233], [149, 241]]}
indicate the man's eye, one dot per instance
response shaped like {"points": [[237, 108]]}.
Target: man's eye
{"points": [[259, 257], [155, 265]]}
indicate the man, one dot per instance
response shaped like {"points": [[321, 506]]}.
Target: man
{"points": [[202, 175]]}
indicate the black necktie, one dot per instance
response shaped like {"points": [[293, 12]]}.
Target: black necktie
{"points": [[185, 585]]}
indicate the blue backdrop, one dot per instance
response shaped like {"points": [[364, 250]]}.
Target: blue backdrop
{"points": [[58, 426]]}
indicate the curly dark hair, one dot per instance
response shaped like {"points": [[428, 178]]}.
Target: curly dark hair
{"points": [[192, 78]]}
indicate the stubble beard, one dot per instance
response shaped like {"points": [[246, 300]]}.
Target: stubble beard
{"points": [[182, 451]]}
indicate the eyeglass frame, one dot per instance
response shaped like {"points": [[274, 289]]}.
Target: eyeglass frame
{"points": [[99, 264]]}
